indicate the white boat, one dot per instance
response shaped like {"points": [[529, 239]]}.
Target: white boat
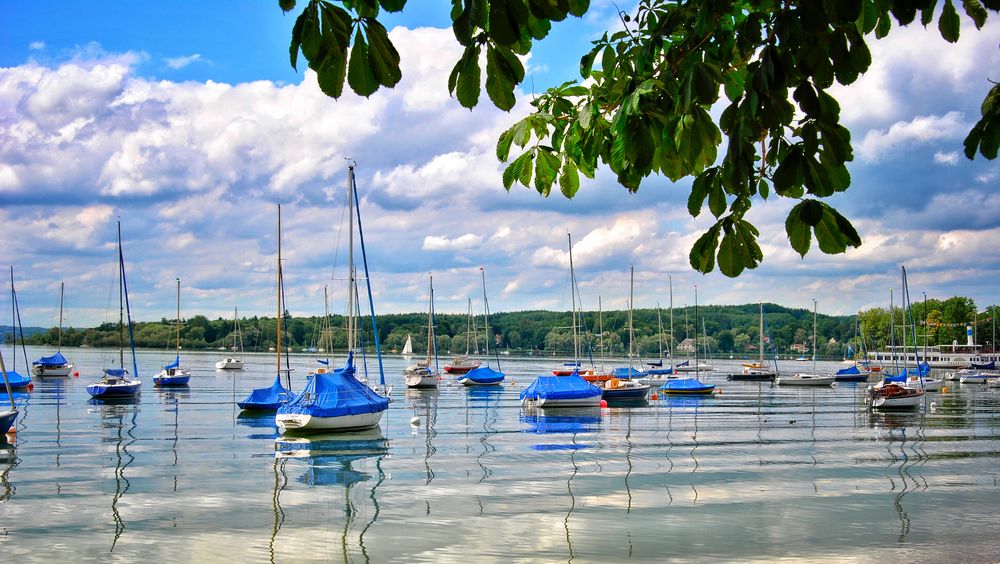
{"points": [[337, 401], [925, 383], [55, 365], [759, 370], [696, 367], [484, 375], [420, 374], [234, 362], [894, 396], [805, 378], [977, 377]]}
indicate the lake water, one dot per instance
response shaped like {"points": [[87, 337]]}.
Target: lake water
{"points": [[754, 473]]}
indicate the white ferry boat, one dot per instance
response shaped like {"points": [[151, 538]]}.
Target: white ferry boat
{"points": [[954, 355]]}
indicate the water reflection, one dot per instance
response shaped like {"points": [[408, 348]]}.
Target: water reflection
{"points": [[330, 460], [487, 399], [118, 421], [8, 461], [901, 431], [257, 420], [426, 402]]}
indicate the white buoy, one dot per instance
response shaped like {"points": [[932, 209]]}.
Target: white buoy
{"points": [[415, 421]]}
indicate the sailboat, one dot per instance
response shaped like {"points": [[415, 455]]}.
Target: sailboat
{"points": [[854, 372], [17, 380], [462, 363], [276, 395], [172, 374], [115, 382], [55, 365], [337, 401], [893, 392], [420, 374], [326, 338], [805, 378], [757, 371], [234, 362], [7, 416], [689, 386], [622, 385], [484, 375], [564, 391], [407, 347]]}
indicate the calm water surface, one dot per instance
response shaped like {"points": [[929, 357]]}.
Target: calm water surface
{"points": [[754, 473]]}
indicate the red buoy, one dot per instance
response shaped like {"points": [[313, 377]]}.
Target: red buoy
{"points": [[31, 387], [604, 403], [656, 397], [76, 374]]}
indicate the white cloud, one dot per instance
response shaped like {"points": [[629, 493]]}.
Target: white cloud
{"points": [[949, 158], [439, 243], [879, 144], [181, 62], [36, 45]]}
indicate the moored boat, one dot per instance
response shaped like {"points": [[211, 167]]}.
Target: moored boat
{"points": [[691, 386], [234, 362], [616, 389], [851, 374], [173, 375], [894, 396], [484, 375], [266, 399], [55, 365], [561, 391], [804, 379], [420, 375]]}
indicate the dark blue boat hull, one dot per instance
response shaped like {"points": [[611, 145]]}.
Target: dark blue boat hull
{"points": [[7, 421]]}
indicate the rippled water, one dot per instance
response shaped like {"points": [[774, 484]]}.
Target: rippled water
{"points": [[754, 473]]}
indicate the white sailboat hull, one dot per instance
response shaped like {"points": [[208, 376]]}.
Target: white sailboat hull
{"points": [[417, 380], [594, 401], [805, 380], [52, 371], [303, 422], [231, 364], [897, 403]]}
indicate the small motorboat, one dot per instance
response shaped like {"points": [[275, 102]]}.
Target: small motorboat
{"points": [[615, 389], [894, 396], [851, 374]]}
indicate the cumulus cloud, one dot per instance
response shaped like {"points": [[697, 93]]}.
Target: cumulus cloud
{"points": [[36, 45], [949, 158], [439, 243], [880, 144]]}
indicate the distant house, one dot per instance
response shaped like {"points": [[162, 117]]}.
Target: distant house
{"points": [[801, 348], [832, 341], [687, 345]]}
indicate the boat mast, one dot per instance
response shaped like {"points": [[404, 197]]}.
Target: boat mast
{"points": [[468, 329], [351, 337], [6, 382], [814, 336], [279, 295], [62, 287], [659, 330], [430, 320], [430, 333], [697, 361], [670, 281], [328, 337], [572, 293], [892, 332], [600, 325], [631, 329], [121, 301], [486, 314], [177, 324], [761, 335]]}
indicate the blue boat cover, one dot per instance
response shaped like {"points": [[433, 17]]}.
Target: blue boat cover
{"points": [[176, 363], [55, 360], [16, 380], [483, 375], [336, 394], [560, 387], [626, 372], [685, 363], [687, 385], [992, 365], [889, 378], [849, 371], [267, 398], [660, 371], [324, 362], [115, 372]]}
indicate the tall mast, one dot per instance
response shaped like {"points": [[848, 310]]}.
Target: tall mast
{"points": [[814, 336], [279, 291], [430, 320], [659, 329], [468, 329], [572, 293], [631, 329], [177, 325], [892, 332], [761, 334], [697, 361], [350, 259], [327, 337], [62, 287], [486, 317], [670, 280], [6, 382], [600, 325], [121, 302], [433, 341]]}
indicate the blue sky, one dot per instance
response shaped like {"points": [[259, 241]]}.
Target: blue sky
{"points": [[185, 119]]}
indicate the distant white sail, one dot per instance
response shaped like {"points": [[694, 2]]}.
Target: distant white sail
{"points": [[408, 347]]}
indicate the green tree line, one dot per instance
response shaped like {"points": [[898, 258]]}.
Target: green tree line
{"points": [[719, 329]]}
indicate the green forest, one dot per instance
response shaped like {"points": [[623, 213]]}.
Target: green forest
{"points": [[730, 330]]}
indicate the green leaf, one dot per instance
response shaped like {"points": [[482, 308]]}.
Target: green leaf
{"points": [[464, 80], [949, 23], [716, 198], [516, 170], [579, 7], [799, 232], [503, 145], [985, 134], [705, 82], [975, 10], [505, 20], [330, 75], [699, 191], [738, 249], [359, 72], [569, 179], [702, 256], [392, 5], [383, 57], [546, 170], [286, 6], [829, 236]]}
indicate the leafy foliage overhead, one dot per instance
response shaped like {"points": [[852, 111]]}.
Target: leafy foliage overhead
{"points": [[642, 106]]}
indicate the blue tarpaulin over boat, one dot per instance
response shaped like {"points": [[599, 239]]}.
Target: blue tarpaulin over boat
{"points": [[687, 386], [560, 388], [115, 372], [890, 379], [267, 398], [55, 360], [685, 363], [336, 394], [484, 375], [324, 362], [849, 371], [626, 372], [176, 363], [16, 380], [992, 365]]}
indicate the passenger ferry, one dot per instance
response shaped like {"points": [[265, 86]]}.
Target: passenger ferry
{"points": [[938, 356]]}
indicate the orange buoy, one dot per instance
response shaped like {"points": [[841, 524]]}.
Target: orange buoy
{"points": [[604, 403], [31, 387], [76, 374], [656, 397]]}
